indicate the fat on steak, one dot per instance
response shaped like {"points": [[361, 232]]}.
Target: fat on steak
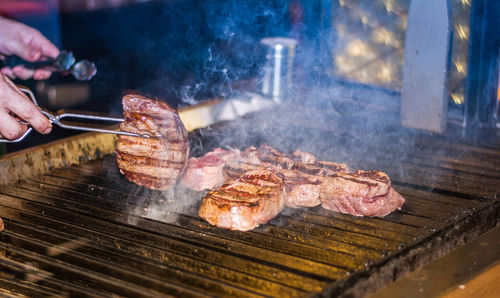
{"points": [[156, 162], [362, 193], [243, 204], [205, 172]]}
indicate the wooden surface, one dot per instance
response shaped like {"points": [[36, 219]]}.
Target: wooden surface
{"points": [[486, 284], [472, 270]]}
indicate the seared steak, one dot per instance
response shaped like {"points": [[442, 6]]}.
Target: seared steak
{"points": [[156, 162], [302, 183], [244, 203], [206, 172], [233, 170], [321, 168], [362, 193], [272, 158], [302, 190]]}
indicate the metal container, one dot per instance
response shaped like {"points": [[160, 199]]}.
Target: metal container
{"points": [[277, 72]]}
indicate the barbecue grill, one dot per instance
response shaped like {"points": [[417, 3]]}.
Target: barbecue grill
{"points": [[75, 226]]}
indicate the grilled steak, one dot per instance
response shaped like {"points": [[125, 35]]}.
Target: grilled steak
{"points": [[362, 193], [272, 158], [302, 190], [302, 183], [206, 172], [321, 168], [244, 203], [234, 169], [157, 162]]}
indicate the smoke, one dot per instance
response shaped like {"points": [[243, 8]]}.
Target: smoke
{"points": [[222, 48], [202, 48]]}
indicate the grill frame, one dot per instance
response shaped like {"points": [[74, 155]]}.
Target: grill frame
{"points": [[290, 255]]}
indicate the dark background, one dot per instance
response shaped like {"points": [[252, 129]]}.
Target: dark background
{"points": [[185, 52]]}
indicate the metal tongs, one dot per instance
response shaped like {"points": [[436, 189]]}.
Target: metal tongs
{"points": [[55, 118], [64, 63]]}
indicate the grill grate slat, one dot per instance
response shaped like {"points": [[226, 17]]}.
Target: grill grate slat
{"points": [[154, 248]]}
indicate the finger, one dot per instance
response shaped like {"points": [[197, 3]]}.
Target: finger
{"points": [[20, 105], [11, 129], [41, 74], [8, 72], [27, 111], [22, 72], [40, 46], [48, 48]]}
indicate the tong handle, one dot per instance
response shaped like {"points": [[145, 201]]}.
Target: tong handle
{"points": [[11, 61], [87, 115], [62, 62]]}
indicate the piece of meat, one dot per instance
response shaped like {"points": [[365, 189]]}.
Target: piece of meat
{"points": [[302, 190], [1, 225], [156, 162], [304, 157], [321, 168], [203, 173], [362, 193], [302, 181], [273, 158], [206, 172], [244, 203], [250, 156], [233, 170]]}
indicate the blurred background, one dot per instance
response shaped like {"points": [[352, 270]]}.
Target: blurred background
{"points": [[188, 51]]}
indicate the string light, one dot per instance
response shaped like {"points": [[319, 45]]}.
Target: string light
{"points": [[460, 66], [467, 3], [341, 64], [358, 48], [458, 98], [384, 73], [463, 31], [364, 18], [374, 54], [389, 5], [382, 35]]}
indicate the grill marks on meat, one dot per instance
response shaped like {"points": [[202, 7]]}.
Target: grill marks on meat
{"points": [[362, 193], [240, 204], [157, 162], [272, 158], [233, 170], [302, 190], [321, 168], [246, 202]]}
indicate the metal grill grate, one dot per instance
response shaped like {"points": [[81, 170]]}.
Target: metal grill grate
{"points": [[86, 230]]}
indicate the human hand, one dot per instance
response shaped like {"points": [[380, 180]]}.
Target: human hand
{"points": [[14, 102], [27, 43]]}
